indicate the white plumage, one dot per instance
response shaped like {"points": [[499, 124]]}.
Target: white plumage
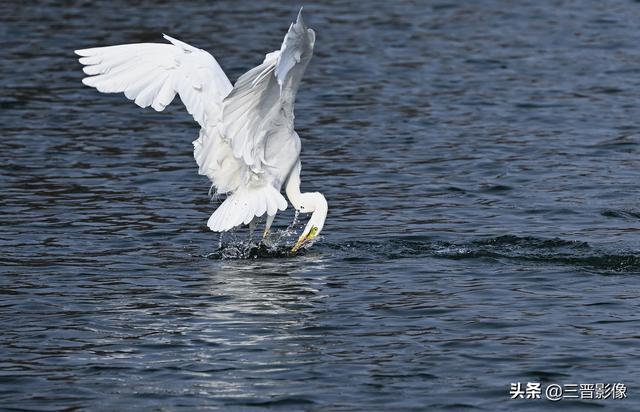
{"points": [[247, 145], [151, 75]]}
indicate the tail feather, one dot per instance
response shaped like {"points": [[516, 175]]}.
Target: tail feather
{"points": [[244, 204]]}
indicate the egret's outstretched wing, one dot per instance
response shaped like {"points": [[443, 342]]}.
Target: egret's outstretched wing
{"points": [[151, 75], [250, 111], [262, 99]]}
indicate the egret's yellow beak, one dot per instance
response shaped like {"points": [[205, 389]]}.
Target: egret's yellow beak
{"points": [[305, 238]]}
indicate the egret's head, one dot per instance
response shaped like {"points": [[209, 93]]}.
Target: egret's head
{"points": [[316, 204]]}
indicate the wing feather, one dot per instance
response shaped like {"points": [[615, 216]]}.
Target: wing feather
{"points": [[152, 74], [236, 122], [261, 101]]}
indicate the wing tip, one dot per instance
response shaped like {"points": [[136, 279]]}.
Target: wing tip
{"points": [[187, 48], [88, 81], [83, 52]]}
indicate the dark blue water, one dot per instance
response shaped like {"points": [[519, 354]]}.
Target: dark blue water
{"points": [[481, 161]]}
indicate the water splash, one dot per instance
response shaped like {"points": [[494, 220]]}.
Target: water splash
{"points": [[239, 243], [283, 236]]}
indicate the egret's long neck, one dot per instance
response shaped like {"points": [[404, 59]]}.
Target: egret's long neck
{"points": [[314, 203], [293, 187]]}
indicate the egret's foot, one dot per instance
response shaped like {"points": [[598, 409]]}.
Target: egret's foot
{"points": [[265, 238]]}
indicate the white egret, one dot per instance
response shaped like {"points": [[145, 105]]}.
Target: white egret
{"points": [[247, 146]]}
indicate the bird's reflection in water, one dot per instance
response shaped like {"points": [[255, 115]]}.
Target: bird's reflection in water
{"points": [[259, 322], [266, 293]]}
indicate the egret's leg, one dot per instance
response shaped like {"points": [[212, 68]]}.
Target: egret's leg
{"points": [[252, 224], [268, 226], [252, 227]]}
